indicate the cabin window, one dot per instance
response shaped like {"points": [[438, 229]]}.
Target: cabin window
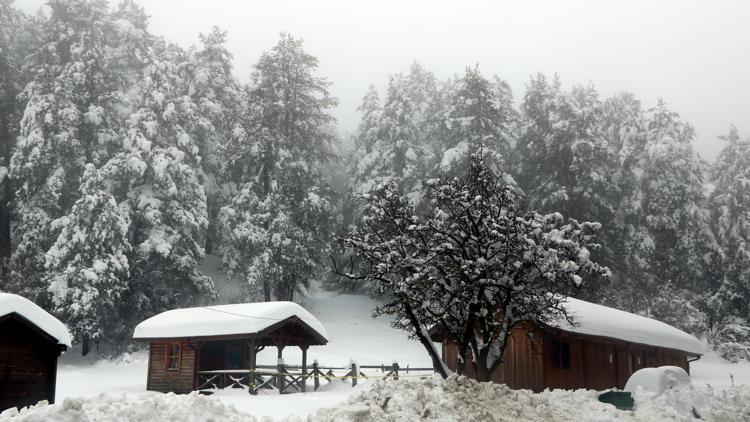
{"points": [[561, 354], [173, 356], [635, 362]]}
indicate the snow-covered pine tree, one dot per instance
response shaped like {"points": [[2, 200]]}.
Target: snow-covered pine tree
{"points": [[476, 266], [564, 159], [397, 154], [18, 38], [275, 230], [728, 306], [480, 115], [662, 235], [216, 93], [371, 112], [674, 207], [72, 117], [564, 162], [88, 264], [164, 194]]}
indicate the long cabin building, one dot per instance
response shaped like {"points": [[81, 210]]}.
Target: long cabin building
{"points": [[600, 351]]}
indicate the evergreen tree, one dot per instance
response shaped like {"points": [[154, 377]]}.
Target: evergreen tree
{"points": [[397, 153], [275, 230], [564, 159], [18, 38], [73, 117], [216, 94], [731, 202], [480, 115], [89, 264]]}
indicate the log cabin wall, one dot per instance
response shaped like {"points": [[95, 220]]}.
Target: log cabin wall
{"points": [[569, 361], [522, 367], [28, 365], [563, 362], [161, 379]]}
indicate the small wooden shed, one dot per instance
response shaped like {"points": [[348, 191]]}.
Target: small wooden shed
{"points": [[188, 345], [31, 340], [600, 351]]}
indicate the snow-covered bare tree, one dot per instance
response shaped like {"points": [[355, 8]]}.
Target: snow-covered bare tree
{"points": [[276, 229], [476, 266]]}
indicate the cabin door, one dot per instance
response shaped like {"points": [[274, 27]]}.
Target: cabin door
{"points": [[233, 357]]}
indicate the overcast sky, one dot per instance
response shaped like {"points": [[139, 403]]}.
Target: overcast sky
{"points": [[693, 54]]}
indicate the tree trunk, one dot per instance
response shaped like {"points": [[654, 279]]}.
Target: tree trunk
{"points": [[482, 374], [437, 362], [7, 195]]}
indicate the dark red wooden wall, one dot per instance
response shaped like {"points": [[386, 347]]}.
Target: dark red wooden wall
{"points": [[531, 360], [28, 364]]}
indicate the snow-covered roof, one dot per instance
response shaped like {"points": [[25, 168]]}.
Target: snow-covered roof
{"points": [[14, 304], [598, 320], [224, 320]]}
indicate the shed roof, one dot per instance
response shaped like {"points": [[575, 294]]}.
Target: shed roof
{"points": [[603, 321], [227, 320], [28, 310]]}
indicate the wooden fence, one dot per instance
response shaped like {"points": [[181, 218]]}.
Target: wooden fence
{"points": [[293, 378]]}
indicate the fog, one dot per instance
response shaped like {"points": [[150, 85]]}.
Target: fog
{"points": [[693, 54]]}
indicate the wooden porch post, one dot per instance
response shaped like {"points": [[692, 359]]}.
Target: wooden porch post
{"points": [[280, 368], [304, 368], [251, 366]]}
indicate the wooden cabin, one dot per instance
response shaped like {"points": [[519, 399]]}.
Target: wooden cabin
{"points": [[601, 351], [187, 344], [31, 340]]}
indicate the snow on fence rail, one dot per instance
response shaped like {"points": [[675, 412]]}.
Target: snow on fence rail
{"points": [[293, 378]]}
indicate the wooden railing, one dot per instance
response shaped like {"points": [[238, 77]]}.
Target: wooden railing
{"points": [[293, 378]]}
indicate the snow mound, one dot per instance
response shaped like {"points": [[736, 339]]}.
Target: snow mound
{"points": [[14, 304], [689, 402], [144, 407], [658, 380], [462, 399], [603, 321], [241, 318]]}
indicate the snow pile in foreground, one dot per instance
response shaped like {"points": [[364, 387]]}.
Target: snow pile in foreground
{"points": [[455, 399], [721, 404], [144, 407], [460, 398]]}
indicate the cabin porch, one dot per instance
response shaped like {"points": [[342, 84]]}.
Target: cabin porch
{"points": [[232, 363]]}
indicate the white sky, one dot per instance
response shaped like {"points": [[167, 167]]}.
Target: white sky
{"points": [[693, 54]]}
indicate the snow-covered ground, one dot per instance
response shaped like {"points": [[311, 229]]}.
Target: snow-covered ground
{"points": [[106, 390]]}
